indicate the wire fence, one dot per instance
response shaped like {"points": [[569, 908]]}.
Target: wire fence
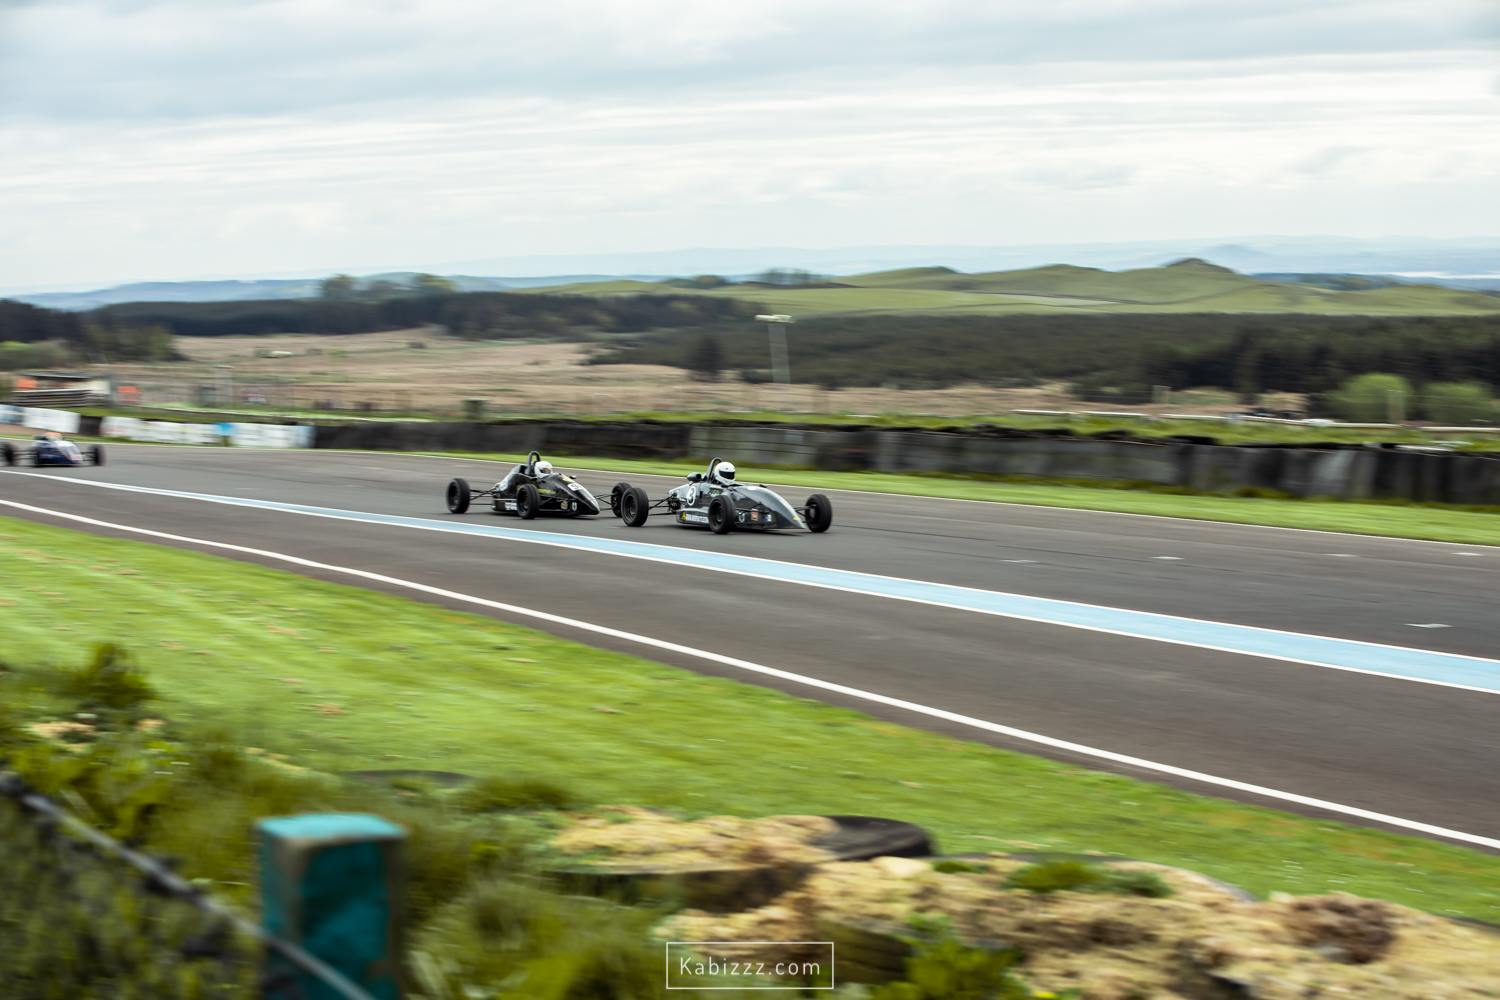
{"points": [[83, 916]]}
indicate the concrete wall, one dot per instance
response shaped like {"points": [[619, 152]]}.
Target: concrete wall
{"points": [[1346, 473]]}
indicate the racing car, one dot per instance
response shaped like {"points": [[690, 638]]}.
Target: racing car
{"points": [[531, 488], [50, 448], [718, 501]]}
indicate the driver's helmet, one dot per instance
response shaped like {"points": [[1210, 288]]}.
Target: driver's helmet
{"points": [[724, 472], [542, 468]]}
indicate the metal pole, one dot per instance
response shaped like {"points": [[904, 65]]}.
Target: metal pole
{"points": [[780, 367]]}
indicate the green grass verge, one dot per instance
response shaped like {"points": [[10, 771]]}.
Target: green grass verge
{"points": [[1432, 522], [338, 678]]}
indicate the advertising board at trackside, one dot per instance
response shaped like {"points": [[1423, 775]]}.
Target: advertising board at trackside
{"points": [[236, 434], [62, 421]]}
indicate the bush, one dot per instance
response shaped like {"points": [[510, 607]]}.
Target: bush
{"points": [[1081, 876], [1458, 402], [949, 970], [1366, 399], [109, 680], [15, 356]]}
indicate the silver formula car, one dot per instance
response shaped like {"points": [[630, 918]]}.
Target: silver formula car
{"points": [[718, 501]]}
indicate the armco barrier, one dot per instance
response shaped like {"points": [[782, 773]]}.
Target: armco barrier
{"points": [[1350, 473]]}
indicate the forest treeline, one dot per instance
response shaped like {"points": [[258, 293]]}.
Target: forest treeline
{"points": [[33, 337], [1126, 352], [478, 315]]}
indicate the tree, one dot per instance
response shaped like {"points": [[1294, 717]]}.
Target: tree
{"points": [[1367, 399], [705, 357], [339, 288], [786, 276], [431, 284], [1458, 402]]}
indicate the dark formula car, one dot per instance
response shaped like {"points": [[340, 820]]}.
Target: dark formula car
{"points": [[531, 488], [50, 448], [718, 501]]}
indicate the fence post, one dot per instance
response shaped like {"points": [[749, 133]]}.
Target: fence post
{"points": [[333, 883]]}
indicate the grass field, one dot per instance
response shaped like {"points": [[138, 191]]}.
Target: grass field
{"points": [[1066, 288], [335, 678], [1434, 523]]}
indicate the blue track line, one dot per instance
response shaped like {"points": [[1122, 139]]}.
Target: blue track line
{"points": [[1323, 651]]}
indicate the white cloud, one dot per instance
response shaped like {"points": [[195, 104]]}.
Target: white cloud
{"points": [[164, 139]]}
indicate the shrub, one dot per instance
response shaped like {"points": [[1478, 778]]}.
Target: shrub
{"points": [[494, 794], [109, 680], [1458, 402], [1081, 876], [947, 969], [1366, 399]]}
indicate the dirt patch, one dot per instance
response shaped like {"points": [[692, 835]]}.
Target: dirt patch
{"points": [[387, 373], [629, 836], [1201, 943]]}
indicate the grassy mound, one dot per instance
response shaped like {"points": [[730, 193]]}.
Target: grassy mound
{"points": [[330, 679]]}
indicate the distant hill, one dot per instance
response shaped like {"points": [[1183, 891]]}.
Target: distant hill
{"points": [[1188, 285], [276, 289]]}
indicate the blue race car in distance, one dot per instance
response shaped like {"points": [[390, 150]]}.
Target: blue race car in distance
{"points": [[50, 448]]}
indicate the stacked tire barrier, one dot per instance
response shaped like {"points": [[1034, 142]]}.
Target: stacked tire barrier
{"points": [[1345, 472]]}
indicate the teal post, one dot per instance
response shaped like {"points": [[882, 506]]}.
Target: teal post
{"points": [[332, 883]]}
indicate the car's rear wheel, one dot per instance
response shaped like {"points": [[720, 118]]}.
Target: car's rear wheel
{"points": [[7, 454], [819, 512], [36, 458], [721, 515], [528, 502], [96, 455], [458, 496], [635, 507], [615, 492]]}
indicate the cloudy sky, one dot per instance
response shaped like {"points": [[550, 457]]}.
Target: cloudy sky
{"points": [[161, 139]]}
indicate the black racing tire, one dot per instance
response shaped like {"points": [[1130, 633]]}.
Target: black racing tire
{"points": [[722, 516], [96, 455], [35, 458], [635, 507], [819, 513], [615, 492], [7, 454], [458, 496], [528, 502]]}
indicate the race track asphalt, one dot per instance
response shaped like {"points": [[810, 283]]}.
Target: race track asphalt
{"points": [[1418, 751]]}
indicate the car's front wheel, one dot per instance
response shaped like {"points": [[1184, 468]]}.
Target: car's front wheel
{"points": [[721, 515], [96, 455], [635, 507], [458, 496], [819, 513]]}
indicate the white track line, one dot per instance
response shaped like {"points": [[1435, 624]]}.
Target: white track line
{"points": [[879, 699], [677, 560]]}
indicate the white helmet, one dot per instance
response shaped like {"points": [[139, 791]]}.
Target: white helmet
{"points": [[542, 468], [724, 471]]}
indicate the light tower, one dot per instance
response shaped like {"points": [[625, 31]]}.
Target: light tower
{"points": [[781, 368]]}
